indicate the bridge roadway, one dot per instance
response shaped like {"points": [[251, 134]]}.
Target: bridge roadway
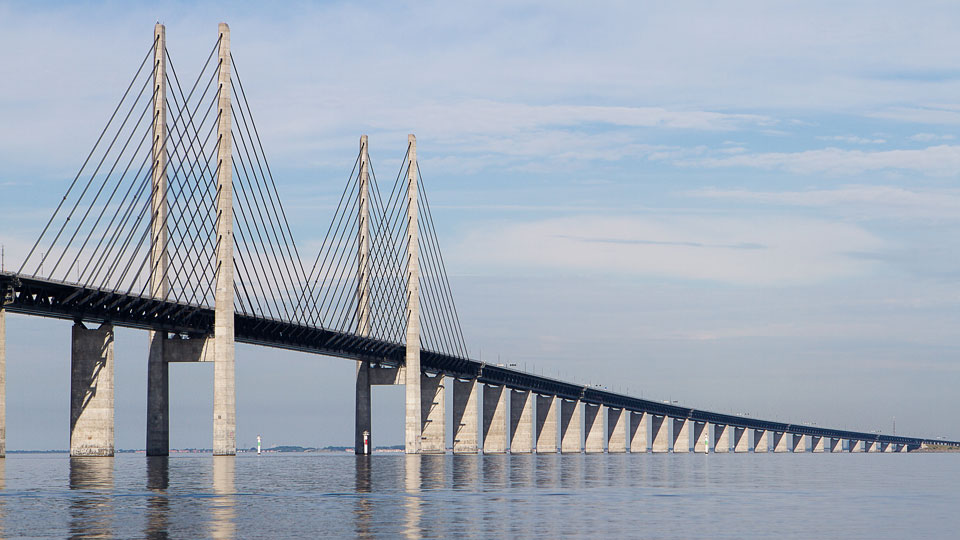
{"points": [[60, 300]]}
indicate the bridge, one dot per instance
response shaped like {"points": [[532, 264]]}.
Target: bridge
{"points": [[174, 225]]}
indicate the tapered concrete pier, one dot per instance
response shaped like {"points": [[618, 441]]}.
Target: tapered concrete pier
{"points": [[681, 435], [761, 443], [817, 444], [836, 445], [780, 442], [854, 446], [546, 424], [741, 441], [224, 385], [593, 427], [494, 419], [639, 428], [570, 441], [521, 422], [465, 415], [433, 414], [659, 436], [91, 391], [721, 438], [701, 442], [798, 442], [617, 430]]}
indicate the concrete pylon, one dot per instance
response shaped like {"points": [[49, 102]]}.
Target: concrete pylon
{"points": [[158, 375], [521, 422], [413, 421], [741, 443], [433, 402], [761, 443], [681, 435], [617, 420], [91, 391], [363, 426], [494, 419], [798, 442], [593, 427], [854, 446], [659, 438], [639, 439], [224, 385], [465, 416], [872, 446], [780, 442], [721, 438], [570, 441], [546, 424], [886, 447], [817, 444], [3, 380], [701, 440]]}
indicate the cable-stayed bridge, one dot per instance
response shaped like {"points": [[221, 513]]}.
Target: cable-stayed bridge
{"points": [[174, 224]]}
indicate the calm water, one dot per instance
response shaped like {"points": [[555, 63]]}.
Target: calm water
{"points": [[650, 496]]}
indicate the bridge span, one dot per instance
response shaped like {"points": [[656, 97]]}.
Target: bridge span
{"points": [[190, 242]]}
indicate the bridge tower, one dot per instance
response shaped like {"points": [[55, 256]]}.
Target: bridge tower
{"points": [[363, 421], [413, 423]]}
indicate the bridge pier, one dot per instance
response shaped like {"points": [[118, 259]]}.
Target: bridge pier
{"points": [[870, 446], [660, 439], [639, 440], [465, 416], [546, 424], [721, 438], [779, 442], [593, 426], [701, 439], [433, 432], [681, 435], [836, 445], [886, 447], [817, 444], [617, 430], [91, 391], [494, 419], [761, 443], [570, 441], [798, 442], [521, 421], [741, 443], [854, 446]]}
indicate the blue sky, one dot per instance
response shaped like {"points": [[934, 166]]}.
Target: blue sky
{"points": [[746, 206]]}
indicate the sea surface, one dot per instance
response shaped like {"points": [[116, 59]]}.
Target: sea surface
{"points": [[512, 496]]}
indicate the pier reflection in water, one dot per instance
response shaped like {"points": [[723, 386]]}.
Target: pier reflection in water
{"points": [[545, 496]]}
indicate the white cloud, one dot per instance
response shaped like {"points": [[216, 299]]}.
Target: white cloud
{"points": [[942, 160], [930, 137], [852, 139], [760, 251]]}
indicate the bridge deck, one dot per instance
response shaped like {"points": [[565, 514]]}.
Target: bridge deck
{"points": [[70, 301]]}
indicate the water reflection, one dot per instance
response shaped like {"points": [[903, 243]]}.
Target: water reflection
{"points": [[222, 523], [412, 503], [158, 504], [363, 511], [91, 509]]}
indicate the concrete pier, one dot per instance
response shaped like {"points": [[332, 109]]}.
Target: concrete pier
{"points": [[701, 440], [617, 430], [593, 427], [413, 420], [158, 376], [740, 440], [780, 442], [570, 427], [761, 443], [91, 391], [681, 435], [494, 419], [363, 427], [465, 416], [639, 440], [871, 446], [836, 445], [546, 424], [798, 443], [224, 382], [521, 422], [433, 414], [817, 444], [854, 446], [886, 447], [660, 438], [721, 438]]}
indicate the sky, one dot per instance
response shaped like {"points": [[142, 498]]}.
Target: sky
{"points": [[749, 207]]}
